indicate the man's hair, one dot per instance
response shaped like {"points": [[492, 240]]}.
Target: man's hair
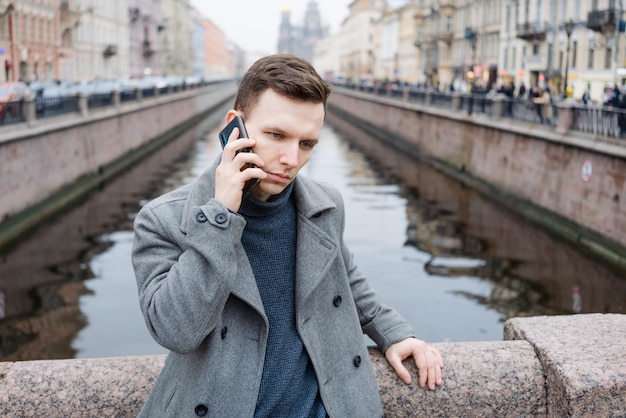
{"points": [[287, 75]]}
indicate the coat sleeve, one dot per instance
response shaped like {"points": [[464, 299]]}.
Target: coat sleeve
{"points": [[183, 282], [381, 323]]}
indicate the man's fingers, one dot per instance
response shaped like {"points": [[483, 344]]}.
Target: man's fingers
{"points": [[401, 371]]}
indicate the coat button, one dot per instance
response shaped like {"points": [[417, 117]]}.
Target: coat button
{"points": [[224, 332], [357, 361], [220, 218], [201, 217], [337, 301], [201, 410]]}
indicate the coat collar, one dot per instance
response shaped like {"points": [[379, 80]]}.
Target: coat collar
{"points": [[309, 196]]}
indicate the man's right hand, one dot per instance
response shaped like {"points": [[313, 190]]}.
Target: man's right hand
{"points": [[233, 171]]}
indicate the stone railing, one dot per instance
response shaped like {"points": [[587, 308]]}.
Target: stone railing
{"points": [[560, 366]]}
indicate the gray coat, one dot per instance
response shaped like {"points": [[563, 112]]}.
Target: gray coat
{"points": [[200, 300]]}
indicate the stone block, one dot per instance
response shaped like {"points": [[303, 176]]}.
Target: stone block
{"points": [[584, 357]]}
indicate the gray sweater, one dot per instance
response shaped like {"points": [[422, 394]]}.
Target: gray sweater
{"points": [[289, 385]]}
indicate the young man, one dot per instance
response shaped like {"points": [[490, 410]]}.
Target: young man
{"points": [[256, 295]]}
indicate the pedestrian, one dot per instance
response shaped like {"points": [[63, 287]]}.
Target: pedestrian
{"points": [[544, 106], [585, 97], [256, 296], [522, 91]]}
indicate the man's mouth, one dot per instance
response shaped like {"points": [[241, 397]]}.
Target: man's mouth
{"points": [[280, 178]]}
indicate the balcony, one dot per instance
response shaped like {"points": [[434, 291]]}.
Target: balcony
{"points": [[110, 50], [134, 14], [446, 36], [420, 40], [601, 20], [532, 31], [148, 48], [69, 17], [447, 7]]}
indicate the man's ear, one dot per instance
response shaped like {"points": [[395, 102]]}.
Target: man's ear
{"points": [[230, 115]]}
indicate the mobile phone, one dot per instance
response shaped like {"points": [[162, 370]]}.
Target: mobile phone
{"points": [[237, 122]]}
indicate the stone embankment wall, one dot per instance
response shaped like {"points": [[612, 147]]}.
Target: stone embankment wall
{"points": [[537, 170], [46, 164], [560, 366]]}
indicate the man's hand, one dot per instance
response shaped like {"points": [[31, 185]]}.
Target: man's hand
{"points": [[427, 359], [232, 172]]}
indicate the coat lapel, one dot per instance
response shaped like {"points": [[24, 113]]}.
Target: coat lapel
{"points": [[316, 249]]}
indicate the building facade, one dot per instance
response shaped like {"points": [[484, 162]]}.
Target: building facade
{"points": [[489, 43], [350, 52], [175, 37], [85, 40], [102, 40], [29, 31], [222, 56]]}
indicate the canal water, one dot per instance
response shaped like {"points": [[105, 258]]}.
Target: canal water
{"points": [[454, 263]]}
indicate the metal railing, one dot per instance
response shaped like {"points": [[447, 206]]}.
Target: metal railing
{"points": [[602, 121], [49, 106], [12, 112]]}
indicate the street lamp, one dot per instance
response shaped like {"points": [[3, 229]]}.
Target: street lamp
{"points": [[569, 28]]}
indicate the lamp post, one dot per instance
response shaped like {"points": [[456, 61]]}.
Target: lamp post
{"points": [[569, 28]]}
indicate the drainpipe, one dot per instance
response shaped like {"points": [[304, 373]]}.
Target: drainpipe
{"points": [[618, 18]]}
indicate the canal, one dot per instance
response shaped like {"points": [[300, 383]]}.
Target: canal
{"points": [[453, 262]]}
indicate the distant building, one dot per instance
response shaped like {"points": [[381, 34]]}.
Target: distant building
{"points": [[301, 40], [221, 55], [28, 40]]}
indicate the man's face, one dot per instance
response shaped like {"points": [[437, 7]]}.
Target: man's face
{"points": [[285, 131]]}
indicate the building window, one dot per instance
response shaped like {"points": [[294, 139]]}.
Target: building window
{"points": [[27, 28], [513, 58], [506, 58], [590, 61], [4, 30], [607, 58]]}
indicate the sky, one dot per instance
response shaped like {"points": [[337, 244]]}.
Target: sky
{"points": [[253, 24]]}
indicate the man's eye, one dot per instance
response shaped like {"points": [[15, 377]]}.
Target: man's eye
{"points": [[307, 145], [276, 135]]}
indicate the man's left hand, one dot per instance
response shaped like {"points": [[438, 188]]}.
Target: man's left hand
{"points": [[427, 359]]}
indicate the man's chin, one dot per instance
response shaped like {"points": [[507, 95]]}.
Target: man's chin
{"points": [[264, 191]]}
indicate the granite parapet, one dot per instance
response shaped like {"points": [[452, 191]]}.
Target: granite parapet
{"points": [[548, 366]]}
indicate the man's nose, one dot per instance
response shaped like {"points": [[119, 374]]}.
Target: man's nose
{"points": [[290, 155]]}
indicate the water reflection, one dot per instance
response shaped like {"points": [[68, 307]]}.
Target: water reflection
{"points": [[45, 278], [467, 235]]}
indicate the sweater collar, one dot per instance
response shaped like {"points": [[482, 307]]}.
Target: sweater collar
{"points": [[253, 207], [310, 198]]}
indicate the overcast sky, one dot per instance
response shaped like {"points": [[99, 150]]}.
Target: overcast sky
{"points": [[253, 24]]}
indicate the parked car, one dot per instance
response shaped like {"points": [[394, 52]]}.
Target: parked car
{"points": [[11, 95]]}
